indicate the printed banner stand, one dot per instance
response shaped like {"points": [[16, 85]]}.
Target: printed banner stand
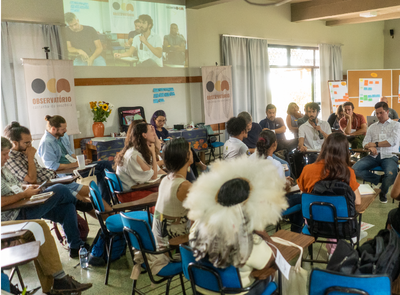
{"points": [[49, 88], [217, 94]]}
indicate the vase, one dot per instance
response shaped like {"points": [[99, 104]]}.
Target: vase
{"points": [[98, 129]]}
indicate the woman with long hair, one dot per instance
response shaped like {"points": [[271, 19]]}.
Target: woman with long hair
{"points": [[137, 161], [265, 148], [333, 163], [293, 114], [170, 217], [158, 121], [335, 117]]}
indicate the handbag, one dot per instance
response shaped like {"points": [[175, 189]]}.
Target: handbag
{"points": [[344, 259], [298, 276], [86, 180]]}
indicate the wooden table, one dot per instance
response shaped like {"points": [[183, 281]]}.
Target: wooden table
{"points": [[179, 240], [19, 255], [12, 236], [139, 187], [71, 170], [366, 200], [24, 203]]}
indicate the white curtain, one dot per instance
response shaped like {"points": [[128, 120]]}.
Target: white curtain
{"points": [[22, 40], [250, 74], [331, 68]]}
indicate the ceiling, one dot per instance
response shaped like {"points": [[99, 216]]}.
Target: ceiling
{"points": [[334, 12]]}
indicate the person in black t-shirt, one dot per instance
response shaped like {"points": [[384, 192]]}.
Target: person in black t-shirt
{"points": [[84, 41], [272, 123], [132, 34], [253, 131]]}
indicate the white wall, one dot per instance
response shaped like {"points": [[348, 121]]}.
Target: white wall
{"points": [[392, 45]]}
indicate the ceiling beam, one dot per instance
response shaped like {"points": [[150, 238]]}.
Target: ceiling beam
{"points": [[359, 20], [323, 9], [197, 4]]}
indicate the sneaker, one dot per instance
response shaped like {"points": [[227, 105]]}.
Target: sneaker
{"points": [[74, 253], [382, 198], [69, 285]]}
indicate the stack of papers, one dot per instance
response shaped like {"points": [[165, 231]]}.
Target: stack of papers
{"points": [[366, 189]]}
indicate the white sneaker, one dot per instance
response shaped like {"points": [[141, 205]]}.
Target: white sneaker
{"points": [[363, 234]]}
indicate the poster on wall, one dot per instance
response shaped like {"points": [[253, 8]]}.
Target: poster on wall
{"points": [[217, 94], [399, 89], [122, 15], [370, 90], [338, 92], [49, 88]]}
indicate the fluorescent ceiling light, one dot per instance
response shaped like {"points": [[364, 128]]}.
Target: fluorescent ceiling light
{"points": [[369, 14]]}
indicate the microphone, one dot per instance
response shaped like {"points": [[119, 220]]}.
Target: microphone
{"points": [[141, 45], [319, 132]]}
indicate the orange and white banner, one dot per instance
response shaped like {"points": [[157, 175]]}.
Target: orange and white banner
{"points": [[49, 88], [217, 94]]}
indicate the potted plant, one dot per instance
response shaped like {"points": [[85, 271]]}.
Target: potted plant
{"points": [[101, 110]]}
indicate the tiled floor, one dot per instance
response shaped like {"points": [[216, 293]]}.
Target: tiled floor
{"points": [[120, 283]]}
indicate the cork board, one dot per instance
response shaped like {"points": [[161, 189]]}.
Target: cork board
{"points": [[395, 89], [353, 80]]}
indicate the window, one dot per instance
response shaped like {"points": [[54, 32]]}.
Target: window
{"points": [[294, 77]]}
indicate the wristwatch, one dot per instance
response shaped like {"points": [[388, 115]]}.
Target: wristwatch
{"points": [[376, 144]]}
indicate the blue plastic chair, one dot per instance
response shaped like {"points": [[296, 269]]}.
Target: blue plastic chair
{"points": [[224, 281], [324, 282], [324, 210], [112, 226], [139, 236]]}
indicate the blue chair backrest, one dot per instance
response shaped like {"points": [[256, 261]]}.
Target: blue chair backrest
{"points": [[324, 213], [143, 229], [96, 196], [205, 278], [321, 280], [113, 181]]}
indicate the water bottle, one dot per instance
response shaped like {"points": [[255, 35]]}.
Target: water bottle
{"points": [[83, 257]]}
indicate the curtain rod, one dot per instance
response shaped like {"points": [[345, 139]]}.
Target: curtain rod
{"points": [[283, 40], [32, 22]]}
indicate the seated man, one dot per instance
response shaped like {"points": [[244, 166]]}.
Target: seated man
{"points": [[147, 45], [56, 153], [24, 166], [304, 119], [392, 113], [84, 41], [382, 140], [353, 124], [234, 146], [58, 208], [276, 125], [48, 265], [175, 46], [133, 34], [313, 133]]}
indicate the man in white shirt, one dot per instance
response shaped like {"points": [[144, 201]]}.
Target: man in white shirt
{"points": [[234, 146], [382, 140], [313, 132], [147, 45]]}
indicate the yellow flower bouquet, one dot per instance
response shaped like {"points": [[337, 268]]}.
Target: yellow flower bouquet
{"points": [[101, 110]]}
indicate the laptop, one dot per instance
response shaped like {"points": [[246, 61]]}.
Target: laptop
{"points": [[371, 120]]}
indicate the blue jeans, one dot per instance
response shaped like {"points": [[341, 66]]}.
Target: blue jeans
{"points": [[99, 61], [389, 166], [287, 173], [58, 208], [101, 182]]}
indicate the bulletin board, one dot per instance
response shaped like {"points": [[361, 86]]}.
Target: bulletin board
{"points": [[353, 78]]}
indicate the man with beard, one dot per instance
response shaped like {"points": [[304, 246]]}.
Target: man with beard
{"points": [[56, 153], [84, 41], [313, 132], [147, 45], [175, 46], [133, 34]]}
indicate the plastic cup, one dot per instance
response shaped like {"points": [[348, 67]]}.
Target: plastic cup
{"points": [[81, 161]]}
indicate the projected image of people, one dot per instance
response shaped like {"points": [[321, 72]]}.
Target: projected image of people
{"points": [[174, 46], [134, 33], [147, 45], [83, 43]]}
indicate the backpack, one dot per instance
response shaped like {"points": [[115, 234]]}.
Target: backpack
{"points": [[98, 253], [347, 229], [83, 228], [381, 255]]}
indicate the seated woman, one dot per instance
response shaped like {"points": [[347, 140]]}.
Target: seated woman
{"points": [[137, 161], [293, 114], [334, 118], [228, 207], [170, 218], [266, 146], [333, 163]]}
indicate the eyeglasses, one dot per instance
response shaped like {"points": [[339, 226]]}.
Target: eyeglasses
{"points": [[161, 121]]}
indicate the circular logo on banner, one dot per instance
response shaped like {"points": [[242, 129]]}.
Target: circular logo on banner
{"points": [[39, 86], [219, 86]]}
